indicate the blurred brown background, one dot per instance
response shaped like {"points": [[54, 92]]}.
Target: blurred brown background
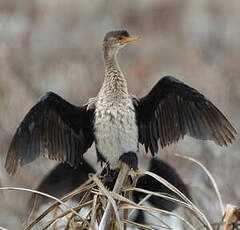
{"points": [[56, 45]]}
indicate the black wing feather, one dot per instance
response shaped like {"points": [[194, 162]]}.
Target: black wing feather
{"points": [[172, 110], [146, 182], [53, 128], [60, 181]]}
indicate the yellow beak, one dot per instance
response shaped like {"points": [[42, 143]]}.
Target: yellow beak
{"points": [[126, 40]]}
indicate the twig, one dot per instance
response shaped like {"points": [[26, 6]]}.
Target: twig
{"points": [[141, 226], [54, 220], [231, 217], [67, 197], [93, 214], [201, 215], [41, 193], [210, 177], [108, 196], [156, 210], [141, 202], [2, 228], [167, 197], [117, 188]]}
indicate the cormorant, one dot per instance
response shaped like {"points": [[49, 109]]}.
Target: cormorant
{"points": [[115, 120]]}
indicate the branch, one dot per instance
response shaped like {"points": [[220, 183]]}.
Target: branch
{"points": [[117, 188]]}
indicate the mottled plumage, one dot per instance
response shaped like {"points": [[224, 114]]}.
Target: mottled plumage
{"points": [[115, 126], [115, 120]]}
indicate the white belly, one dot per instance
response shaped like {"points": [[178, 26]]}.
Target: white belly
{"points": [[116, 131]]}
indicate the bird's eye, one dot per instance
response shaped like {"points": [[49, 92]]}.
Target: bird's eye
{"points": [[120, 37]]}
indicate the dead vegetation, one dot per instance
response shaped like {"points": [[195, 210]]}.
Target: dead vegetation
{"points": [[112, 210]]}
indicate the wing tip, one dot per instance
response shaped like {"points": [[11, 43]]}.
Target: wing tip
{"points": [[235, 133], [11, 164], [227, 139]]}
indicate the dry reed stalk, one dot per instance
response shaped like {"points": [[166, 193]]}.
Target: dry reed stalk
{"points": [[231, 218], [110, 206], [210, 177], [55, 204], [103, 203]]}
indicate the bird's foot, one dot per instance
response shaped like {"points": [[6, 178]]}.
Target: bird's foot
{"points": [[110, 178], [131, 159]]}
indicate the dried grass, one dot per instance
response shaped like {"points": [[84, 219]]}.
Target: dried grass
{"points": [[112, 209]]}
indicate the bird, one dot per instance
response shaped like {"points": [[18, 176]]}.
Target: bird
{"points": [[166, 171], [60, 181], [116, 121], [63, 179]]}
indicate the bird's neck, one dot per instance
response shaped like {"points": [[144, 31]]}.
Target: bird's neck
{"points": [[114, 80], [111, 63]]}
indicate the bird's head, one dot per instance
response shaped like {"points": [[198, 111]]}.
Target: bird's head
{"points": [[114, 40]]}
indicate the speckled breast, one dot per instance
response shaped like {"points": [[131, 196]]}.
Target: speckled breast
{"points": [[115, 129]]}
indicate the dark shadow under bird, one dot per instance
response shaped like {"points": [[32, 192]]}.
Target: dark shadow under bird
{"points": [[63, 179], [115, 120]]}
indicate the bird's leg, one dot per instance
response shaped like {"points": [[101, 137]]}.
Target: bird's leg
{"points": [[100, 159], [131, 159], [110, 176]]}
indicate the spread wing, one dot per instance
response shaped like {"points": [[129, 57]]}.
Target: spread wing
{"points": [[172, 109], [53, 128]]}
